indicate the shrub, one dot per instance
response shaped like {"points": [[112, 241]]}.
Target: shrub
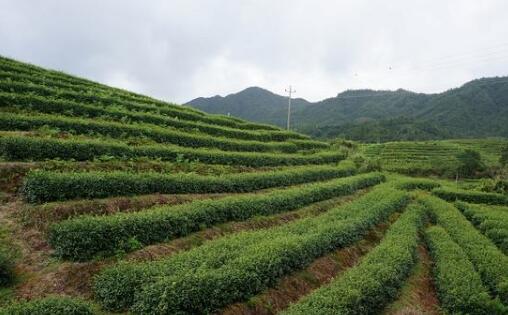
{"points": [[488, 260], [43, 186], [72, 108], [459, 286], [35, 149], [10, 121], [503, 159], [106, 98], [496, 185], [470, 162], [417, 183], [86, 236], [235, 267], [470, 196], [376, 280], [49, 306], [491, 221]]}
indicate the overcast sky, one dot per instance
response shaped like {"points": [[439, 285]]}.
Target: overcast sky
{"points": [[179, 50]]}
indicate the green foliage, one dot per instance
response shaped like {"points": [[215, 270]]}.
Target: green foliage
{"points": [[6, 268], [236, 267], [470, 162], [504, 156], [50, 306], [450, 194], [49, 105], [417, 183], [496, 185], [43, 186], [36, 149], [488, 260], [459, 286], [91, 92], [86, 236], [475, 109], [119, 130], [366, 288], [493, 222]]}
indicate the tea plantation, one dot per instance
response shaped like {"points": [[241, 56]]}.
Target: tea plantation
{"points": [[115, 202]]}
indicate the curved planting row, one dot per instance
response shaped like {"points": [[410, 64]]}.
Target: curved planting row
{"points": [[27, 72], [71, 108], [26, 122], [108, 99], [49, 306], [236, 267], [471, 196], [134, 113], [416, 183], [490, 262], [84, 237], [369, 286], [460, 288], [493, 222], [44, 78], [17, 148], [43, 186], [20, 72]]}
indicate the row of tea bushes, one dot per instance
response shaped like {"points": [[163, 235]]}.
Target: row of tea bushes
{"points": [[493, 222], [84, 237], [450, 194], [29, 122], [49, 306], [20, 74], [182, 112], [417, 183], [44, 186], [460, 288], [236, 267], [376, 280], [489, 261], [70, 108], [16, 148]]}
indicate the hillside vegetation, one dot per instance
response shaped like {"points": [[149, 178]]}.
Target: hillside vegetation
{"points": [[477, 109], [115, 202]]}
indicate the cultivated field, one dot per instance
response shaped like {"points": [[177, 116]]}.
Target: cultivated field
{"points": [[114, 202]]}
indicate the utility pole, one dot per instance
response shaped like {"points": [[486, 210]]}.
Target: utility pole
{"points": [[289, 91]]}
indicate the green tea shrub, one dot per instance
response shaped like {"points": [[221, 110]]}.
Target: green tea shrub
{"points": [[367, 287], [83, 237]]}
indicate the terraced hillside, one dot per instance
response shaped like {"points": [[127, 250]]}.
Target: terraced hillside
{"points": [[114, 202], [432, 157]]}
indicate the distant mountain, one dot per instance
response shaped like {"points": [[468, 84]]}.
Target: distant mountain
{"points": [[253, 103], [477, 109]]}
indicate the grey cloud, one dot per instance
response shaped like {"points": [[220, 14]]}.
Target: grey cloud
{"points": [[178, 50]]}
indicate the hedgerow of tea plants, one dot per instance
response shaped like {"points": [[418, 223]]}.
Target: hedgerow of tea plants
{"points": [[49, 306], [460, 288], [367, 287], [44, 186], [493, 222], [71, 108], [236, 267], [16, 148], [25, 122], [86, 236], [471, 196], [488, 260]]}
